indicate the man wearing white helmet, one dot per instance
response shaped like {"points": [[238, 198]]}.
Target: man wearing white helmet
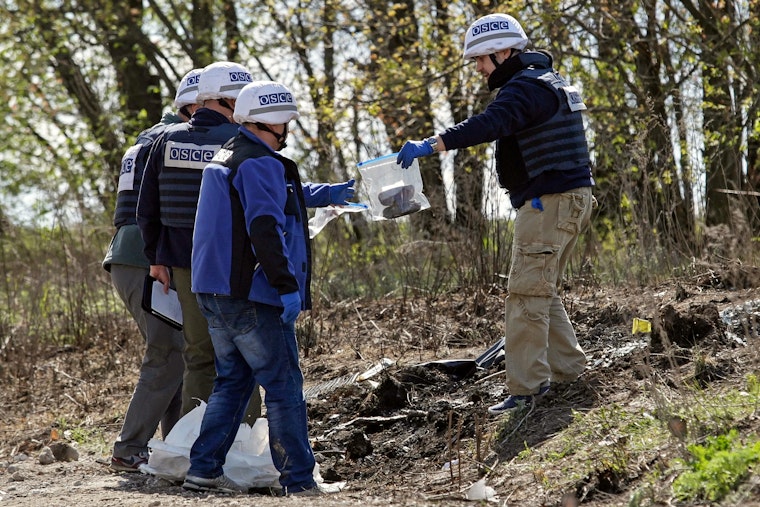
{"points": [[542, 160], [157, 396], [251, 274], [166, 215]]}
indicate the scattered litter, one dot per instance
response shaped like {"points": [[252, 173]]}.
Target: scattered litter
{"points": [[449, 464], [619, 352], [479, 491], [460, 369], [641, 326], [742, 320], [381, 421], [330, 385]]}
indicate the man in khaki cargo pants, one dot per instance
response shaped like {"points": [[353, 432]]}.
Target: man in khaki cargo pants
{"points": [[540, 341], [542, 160]]}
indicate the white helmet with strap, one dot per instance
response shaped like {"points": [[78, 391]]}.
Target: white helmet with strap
{"points": [[222, 80], [493, 33], [187, 90], [265, 102]]}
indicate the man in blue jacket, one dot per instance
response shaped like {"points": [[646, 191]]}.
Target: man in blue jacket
{"points": [[157, 396], [251, 273], [166, 215], [542, 160]]}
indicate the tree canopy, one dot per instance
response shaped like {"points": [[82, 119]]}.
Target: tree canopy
{"points": [[670, 84]]}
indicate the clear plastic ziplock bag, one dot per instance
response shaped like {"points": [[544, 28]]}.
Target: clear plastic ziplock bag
{"points": [[393, 191], [324, 216]]}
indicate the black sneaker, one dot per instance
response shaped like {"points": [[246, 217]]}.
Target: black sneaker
{"points": [[221, 484], [516, 401], [130, 463]]}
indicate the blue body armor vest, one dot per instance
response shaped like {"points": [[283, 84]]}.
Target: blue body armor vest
{"points": [[132, 167], [558, 144], [186, 151]]}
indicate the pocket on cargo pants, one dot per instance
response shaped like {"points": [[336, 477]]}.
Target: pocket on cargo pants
{"points": [[534, 270], [573, 212]]}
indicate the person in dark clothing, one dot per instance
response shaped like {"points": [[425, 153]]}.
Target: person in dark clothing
{"points": [[157, 395], [542, 160], [166, 215], [251, 274]]}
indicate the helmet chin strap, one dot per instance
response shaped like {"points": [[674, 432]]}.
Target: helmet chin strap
{"points": [[512, 53], [223, 102], [280, 137]]}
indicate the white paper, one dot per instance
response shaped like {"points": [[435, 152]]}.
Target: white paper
{"points": [[166, 304]]}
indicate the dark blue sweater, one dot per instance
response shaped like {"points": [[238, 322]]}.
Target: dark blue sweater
{"points": [[519, 105]]}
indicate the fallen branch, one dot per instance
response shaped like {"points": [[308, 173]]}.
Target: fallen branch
{"points": [[381, 421]]}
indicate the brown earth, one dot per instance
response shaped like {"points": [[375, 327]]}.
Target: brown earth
{"points": [[391, 440]]}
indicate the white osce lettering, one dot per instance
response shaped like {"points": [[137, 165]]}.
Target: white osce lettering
{"points": [[490, 26], [238, 76], [189, 155], [275, 98], [222, 156], [574, 99], [127, 174]]}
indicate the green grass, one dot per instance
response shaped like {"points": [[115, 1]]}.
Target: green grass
{"points": [[711, 460], [716, 467]]}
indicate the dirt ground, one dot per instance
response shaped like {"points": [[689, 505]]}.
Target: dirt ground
{"points": [[415, 434]]}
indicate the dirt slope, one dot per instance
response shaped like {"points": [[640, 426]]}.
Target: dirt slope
{"points": [[414, 435]]}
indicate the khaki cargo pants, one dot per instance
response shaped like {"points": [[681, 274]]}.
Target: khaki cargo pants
{"points": [[540, 344]]}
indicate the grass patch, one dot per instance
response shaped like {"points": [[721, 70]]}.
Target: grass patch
{"points": [[611, 447], [716, 467]]}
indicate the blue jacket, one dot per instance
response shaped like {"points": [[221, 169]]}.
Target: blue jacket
{"points": [[170, 184], [522, 103], [251, 235]]}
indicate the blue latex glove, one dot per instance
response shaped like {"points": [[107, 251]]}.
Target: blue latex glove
{"points": [[291, 303], [412, 150], [340, 193]]}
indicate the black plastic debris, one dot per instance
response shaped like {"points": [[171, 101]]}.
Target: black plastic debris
{"points": [[459, 369]]}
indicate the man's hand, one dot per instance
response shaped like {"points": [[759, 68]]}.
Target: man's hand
{"points": [[340, 193], [412, 150], [161, 273]]}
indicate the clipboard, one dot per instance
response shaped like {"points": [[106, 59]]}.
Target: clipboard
{"points": [[165, 307]]}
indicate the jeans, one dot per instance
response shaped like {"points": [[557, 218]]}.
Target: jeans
{"points": [[541, 344], [252, 345], [199, 352], [157, 395]]}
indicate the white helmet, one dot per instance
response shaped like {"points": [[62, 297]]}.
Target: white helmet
{"points": [[222, 80], [265, 102], [493, 33], [187, 89]]}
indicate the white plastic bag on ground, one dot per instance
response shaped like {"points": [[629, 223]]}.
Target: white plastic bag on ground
{"points": [[479, 491], [249, 461]]}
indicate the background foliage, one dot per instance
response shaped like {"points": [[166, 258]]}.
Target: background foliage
{"points": [[672, 122]]}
